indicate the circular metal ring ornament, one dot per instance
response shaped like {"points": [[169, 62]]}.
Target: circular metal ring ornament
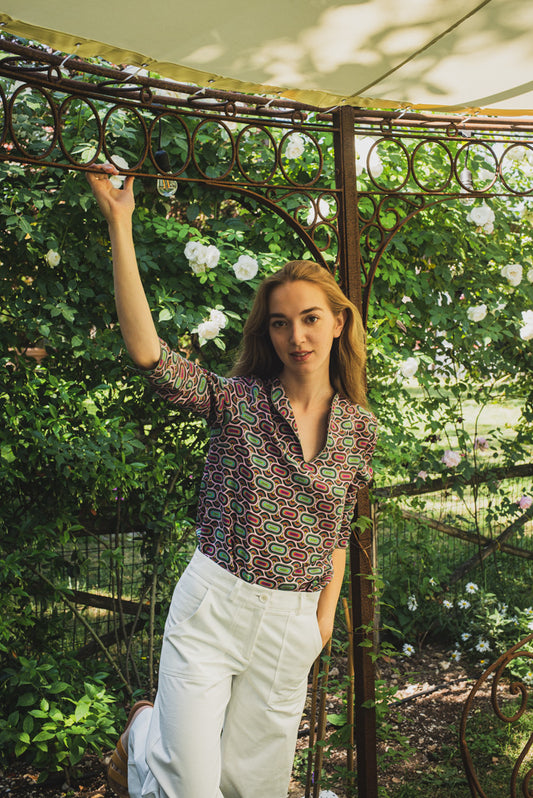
{"points": [[246, 170], [126, 109], [63, 110], [23, 148], [195, 142], [153, 132]]}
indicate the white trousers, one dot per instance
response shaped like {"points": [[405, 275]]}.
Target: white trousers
{"points": [[232, 687]]}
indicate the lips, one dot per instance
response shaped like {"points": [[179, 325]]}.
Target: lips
{"points": [[300, 357]]}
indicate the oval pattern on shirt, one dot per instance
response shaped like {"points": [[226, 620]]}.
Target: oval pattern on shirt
{"points": [[264, 513]]}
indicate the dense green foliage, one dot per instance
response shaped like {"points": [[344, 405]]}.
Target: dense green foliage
{"points": [[86, 449]]}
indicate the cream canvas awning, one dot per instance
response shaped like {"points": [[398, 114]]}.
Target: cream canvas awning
{"points": [[442, 55]]}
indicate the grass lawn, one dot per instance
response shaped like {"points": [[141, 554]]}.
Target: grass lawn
{"points": [[479, 420]]}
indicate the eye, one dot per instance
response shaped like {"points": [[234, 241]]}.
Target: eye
{"points": [[312, 319], [277, 323]]}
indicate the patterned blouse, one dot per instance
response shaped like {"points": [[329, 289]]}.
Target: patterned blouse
{"points": [[264, 513]]}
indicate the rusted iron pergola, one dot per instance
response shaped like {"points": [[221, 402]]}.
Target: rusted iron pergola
{"points": [[347, 231]]}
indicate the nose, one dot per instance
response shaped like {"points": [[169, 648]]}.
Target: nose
{"points": [[297, 334]]}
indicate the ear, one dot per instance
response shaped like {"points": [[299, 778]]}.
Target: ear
{"points": [[340, 321]]}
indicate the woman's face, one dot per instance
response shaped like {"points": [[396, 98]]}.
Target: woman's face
{"points": [[302, 328]]}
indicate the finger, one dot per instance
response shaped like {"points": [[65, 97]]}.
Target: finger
{"points": [[102, 171], [110, 168]]}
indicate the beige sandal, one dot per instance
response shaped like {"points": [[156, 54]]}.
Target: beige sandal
{"points": [[117, 770]]}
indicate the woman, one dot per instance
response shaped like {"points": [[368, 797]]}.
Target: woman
{"points": [[290, 445]]}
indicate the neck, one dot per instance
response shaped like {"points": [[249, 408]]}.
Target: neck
{"points": [[307, 391]]}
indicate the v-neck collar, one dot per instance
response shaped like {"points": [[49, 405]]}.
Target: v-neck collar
{"points": [[283, 406]]}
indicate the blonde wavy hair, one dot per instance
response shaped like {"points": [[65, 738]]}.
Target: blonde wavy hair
{"points": [[258, 358]]}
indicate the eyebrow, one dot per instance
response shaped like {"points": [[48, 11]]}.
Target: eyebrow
{"points": [[302, 313]]}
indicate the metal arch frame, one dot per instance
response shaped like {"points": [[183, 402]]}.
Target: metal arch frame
{"points": [[47, 72], [516, 688]]}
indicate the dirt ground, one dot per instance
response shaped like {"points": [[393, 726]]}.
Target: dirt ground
{"points": [[430, 695], [426, 710]]}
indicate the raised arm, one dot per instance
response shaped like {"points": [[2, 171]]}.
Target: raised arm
{"points": [[134, 315]]}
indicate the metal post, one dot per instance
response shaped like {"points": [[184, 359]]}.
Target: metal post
{"points": [[362, 588]]}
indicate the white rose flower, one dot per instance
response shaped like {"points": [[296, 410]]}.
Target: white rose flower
{"points": [[476, 312], [513, 273], [201, 257], [208, 330], [409, 367], [218, 318], [245, 268], [197, 266], [121, 163], [451, 459], [193, 250], [530, 276], [481, 215], [488, 228], [295, 146], [211, 256], [526, 332], [52, 257]]}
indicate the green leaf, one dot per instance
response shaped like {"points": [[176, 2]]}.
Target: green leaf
{"points": [[58, 687], [7, 453], [26, 699], [82, 710], [44, 736], [20, 748], [338, 720], [38, 713]]}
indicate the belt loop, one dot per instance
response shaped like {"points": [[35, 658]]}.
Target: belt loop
{"points": [[301, 603], [234, 591]]}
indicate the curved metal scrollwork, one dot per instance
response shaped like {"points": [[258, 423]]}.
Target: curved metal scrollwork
{"points": [[520, 778], [75, 116], [281, 154]]}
